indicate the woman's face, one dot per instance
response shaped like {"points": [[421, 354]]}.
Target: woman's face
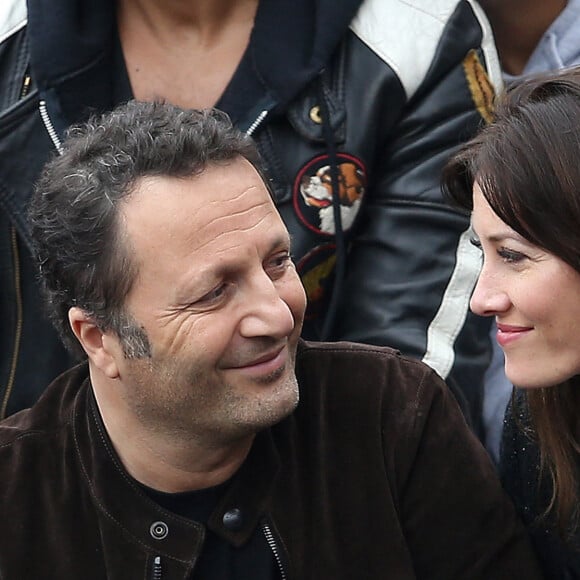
{"points": [[535, 298]]}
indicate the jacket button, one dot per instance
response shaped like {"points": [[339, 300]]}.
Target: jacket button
{"points": [[159, 530], [315, 115], [233, 520]]}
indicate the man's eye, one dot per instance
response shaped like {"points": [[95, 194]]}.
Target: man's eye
{"points": [[281, 260], [279, 263], [215, 294]]}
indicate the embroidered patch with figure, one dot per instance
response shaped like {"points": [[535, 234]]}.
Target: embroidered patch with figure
{"points": [[480, 85], [313, 192]]}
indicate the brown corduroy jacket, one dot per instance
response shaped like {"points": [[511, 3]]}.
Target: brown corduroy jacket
{"points": [[375, 475]]}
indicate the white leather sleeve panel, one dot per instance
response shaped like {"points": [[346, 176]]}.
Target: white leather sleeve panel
{"points": [[13, 16], [385, 26]]}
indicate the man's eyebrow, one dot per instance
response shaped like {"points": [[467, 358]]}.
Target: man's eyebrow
{"points": [[223, 269], [281, 240]]}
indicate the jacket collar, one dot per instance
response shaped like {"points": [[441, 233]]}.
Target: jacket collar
{"points": [[71, 52], [119, 499]]}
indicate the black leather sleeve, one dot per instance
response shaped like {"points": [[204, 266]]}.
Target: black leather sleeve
{"points": [[411, 268]]}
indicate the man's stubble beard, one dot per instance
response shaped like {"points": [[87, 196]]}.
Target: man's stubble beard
{"points": [[184, 410]]}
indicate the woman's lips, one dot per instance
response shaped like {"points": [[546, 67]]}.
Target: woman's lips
{"points": [[508, 333]]}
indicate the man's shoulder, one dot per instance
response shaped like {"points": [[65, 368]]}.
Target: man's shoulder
{"points": [[415, 16], [350, 366], [407, 34], [37, 446], [307, 348], [440, 10], [41, 426], [357, 351], [18, 426], [14, 53], [369, 394]]}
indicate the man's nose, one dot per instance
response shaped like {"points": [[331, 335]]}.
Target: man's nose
{"points": [[266, 313]]}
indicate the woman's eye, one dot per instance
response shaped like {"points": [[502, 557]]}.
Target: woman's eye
{"points": [[475, 242], [511, 256]]}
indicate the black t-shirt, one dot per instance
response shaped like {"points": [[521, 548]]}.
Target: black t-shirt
{"points": [[219, 559]]}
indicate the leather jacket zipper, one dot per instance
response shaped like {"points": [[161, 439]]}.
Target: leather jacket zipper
{"points": [[18, 331], [14, 241], [156, 573], [259, 119], [49, 126], [27, 81], [274, 547]]}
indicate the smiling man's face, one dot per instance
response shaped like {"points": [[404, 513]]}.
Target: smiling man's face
{"points": [[220, 302]]}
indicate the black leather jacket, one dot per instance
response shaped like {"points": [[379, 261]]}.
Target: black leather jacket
{"points": [[356, 484], [354, 114]]}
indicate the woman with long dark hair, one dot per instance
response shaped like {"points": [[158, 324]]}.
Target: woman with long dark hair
{"points": [[520, 178]]}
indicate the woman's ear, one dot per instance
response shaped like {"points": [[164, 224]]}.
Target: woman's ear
{"points": [[102, 348]]}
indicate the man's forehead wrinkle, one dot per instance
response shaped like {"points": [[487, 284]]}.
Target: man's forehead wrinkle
{"points": [[236, 198], [230, 232], [234, 213], [232, 199]]}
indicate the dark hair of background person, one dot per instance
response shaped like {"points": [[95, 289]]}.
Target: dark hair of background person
{"points": [[84, 255], [527, 165]]}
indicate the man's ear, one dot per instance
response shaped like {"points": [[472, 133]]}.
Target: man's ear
{"points": [[102, 348]]}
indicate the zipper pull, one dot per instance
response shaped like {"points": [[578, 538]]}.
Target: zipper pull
{"points": [[49, 126], [27, 81], [267, 531], [156, 572]]}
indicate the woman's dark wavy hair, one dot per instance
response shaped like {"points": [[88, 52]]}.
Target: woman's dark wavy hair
{"points": [[84, 256], [527, 163]]}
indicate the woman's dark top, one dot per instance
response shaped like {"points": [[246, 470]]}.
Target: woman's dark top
{"points": [[520, 473]]}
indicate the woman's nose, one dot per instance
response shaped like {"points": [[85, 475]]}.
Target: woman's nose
{"points": [[489, 298]]}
